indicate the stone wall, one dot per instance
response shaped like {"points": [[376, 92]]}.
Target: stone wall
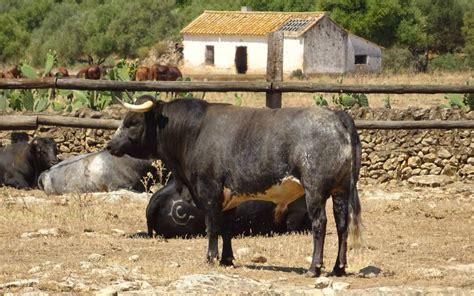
{"points": [[386, 154]]}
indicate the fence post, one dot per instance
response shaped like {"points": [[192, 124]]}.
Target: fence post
{"points": [[274, 67]]}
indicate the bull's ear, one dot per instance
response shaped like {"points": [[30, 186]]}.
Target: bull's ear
{"points": [[162, 121], [34, 144]]}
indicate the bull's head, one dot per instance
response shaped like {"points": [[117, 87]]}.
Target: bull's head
{"points": [[45, 152], [137, 136]]}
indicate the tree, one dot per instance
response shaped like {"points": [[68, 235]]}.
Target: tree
{"points": [[281, 5], [430, 26], [349, 14], [13, 39], [468, 34]]}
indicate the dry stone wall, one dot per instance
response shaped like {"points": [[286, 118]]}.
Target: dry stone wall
{"points": [[386, 154]]}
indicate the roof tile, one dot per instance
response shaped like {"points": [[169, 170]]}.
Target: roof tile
{"points": [[244, 23]]}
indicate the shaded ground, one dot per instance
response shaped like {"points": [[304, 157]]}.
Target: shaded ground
{"points": [[417, 239]]}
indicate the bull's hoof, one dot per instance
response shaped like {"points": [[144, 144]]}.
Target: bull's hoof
{"points": [[212, 260], [227, 262], [338, 271], [313, 273]]}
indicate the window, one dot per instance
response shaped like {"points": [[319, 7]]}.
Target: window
{"points": [[295, 25], [360, 59], [209, 55]]}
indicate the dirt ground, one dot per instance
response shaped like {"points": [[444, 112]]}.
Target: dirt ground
{"points": [[416, 240], [401, 101]]}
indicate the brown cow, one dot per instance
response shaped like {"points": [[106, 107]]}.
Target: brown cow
{"points": [[142, 73], [61, 72], [90, 72], [165, 73], [13, 72]]}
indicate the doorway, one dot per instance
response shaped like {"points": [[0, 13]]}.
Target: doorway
{"points": [[241, 59]]}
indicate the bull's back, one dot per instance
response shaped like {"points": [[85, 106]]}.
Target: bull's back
{"points": [[277, 140]]}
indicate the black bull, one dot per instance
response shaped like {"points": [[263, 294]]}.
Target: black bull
{"points": [[172, 214], [226, 154]]}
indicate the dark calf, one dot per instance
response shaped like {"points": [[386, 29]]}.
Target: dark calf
{"points": [[21, 163], [173, 214]]}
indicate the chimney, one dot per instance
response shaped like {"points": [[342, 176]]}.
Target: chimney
{"points": [[246, 8]]}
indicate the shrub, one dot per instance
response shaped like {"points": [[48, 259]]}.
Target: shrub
{"points": [[143, 52], [297, 74], [447, 62], [397, 60]]}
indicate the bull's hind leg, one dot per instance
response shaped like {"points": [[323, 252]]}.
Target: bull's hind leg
{"points": [[316, 203], [341, 216]]}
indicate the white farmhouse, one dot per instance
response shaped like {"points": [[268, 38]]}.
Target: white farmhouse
{"points": [[236, 42]]}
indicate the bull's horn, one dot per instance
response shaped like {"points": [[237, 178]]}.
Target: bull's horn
{"points": [[144, 107]]}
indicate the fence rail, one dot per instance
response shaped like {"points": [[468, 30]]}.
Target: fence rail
{"points": [[32, 122], [227, 86]]}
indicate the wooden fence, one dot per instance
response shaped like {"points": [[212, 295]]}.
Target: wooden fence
{"points": [[227, 86], [32, 122], [273, 88]]}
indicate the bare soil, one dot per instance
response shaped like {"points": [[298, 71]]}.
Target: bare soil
{"points": [[418, 237], [375, 100]]}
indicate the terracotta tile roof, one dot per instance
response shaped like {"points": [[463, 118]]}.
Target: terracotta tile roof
{"points": [[245, 23]]}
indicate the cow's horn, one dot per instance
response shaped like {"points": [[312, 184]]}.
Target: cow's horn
{"points": [[144, 107]]}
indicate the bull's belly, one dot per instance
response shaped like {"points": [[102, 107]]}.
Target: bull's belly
{"points": [[282, 194]]}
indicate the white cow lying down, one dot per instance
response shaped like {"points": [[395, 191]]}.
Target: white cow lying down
{"points": [[95, 172]]}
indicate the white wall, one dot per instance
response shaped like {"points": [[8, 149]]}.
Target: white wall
{"points": [[293, 51], [224, 53]]}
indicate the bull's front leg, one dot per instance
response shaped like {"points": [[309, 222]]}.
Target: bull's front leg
{"points": [[227, 233], [212, 203], [213, 223]]}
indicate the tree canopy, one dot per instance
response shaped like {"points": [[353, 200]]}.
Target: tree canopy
{"points": [[121, 28]]}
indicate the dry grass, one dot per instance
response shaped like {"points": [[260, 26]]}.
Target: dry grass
{"points": [[426, 228], [375, 100]]}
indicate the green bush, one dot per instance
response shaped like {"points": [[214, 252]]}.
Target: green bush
{"points": [[397, 60], [297, 74], [448, 62]]}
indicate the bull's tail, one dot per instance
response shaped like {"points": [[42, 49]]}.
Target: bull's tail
{"points": [[355, 220]]}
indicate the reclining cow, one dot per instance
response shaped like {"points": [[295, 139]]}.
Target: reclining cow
{"points": [[95, 172], [21, 163], [226, 155], [172, 214]]}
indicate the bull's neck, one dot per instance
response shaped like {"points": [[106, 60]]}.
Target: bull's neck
{"points": [[184, 120]]}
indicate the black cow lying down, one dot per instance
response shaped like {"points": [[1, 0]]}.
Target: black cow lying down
{"points": [[172, 214], [226, 155], [21, 163], [94, 172]]}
